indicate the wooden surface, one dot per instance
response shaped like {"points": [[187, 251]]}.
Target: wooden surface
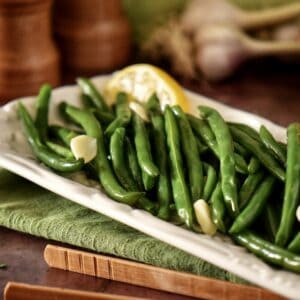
{"points": [[122, 270], [270, 90], [21, 291]]}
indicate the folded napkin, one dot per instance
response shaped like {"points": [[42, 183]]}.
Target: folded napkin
{"points": [[28, 208]]}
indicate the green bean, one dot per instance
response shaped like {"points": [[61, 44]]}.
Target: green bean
{"points": [[180, 190], [283, 148], [241, 150], [59, 149], [84, 118], [202, 129], [123, 114], [246, 129], [269, 141], [48, 157], [210, 182], [147, 205], [254, 207], [292, 186], [148, 181], [87, 101], [122, 172], [89, 89], [174, 218], [133, 163], [143, 149], [64, 134], [259, 150], [42, 106], [248, 188], [62, 112], [153, 104], [105, 173], [240, 164], [294, 245], [163, 187], [201, 147], [271, 220], [104, 117], [121, 169], [254, 165], [218, 209], [269, 252], [191, 154], [227, 160]]}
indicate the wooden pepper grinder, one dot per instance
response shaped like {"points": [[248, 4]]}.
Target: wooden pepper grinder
{"points": [[28, 57], [93, 35]]}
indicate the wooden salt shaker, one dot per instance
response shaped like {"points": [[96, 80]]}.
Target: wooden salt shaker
{"points": [[93, 35], [28, 57]]}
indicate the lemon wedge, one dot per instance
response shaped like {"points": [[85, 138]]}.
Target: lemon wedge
{"points": [[140, 81], [84, 146]]}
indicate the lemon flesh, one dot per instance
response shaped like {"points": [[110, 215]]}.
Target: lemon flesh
{"points": [[141, 81]]}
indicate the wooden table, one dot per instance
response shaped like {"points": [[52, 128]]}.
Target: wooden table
{"points": [[270, 90]]}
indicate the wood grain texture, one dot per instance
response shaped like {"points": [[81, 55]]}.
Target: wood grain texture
{"points": [[21, 291], [93, 36], [148, 276], [28, 55]]}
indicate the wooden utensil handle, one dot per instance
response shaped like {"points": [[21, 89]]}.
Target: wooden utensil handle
{"points": [[21, 291], [149, 276]]}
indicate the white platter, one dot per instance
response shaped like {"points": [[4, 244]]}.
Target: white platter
{"points": [[16, 156]]}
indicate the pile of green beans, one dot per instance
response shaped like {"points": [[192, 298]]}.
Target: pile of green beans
{"points": [[166, 163]]}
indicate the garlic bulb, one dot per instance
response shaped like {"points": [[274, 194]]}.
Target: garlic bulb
{"points": [[220, 50]]}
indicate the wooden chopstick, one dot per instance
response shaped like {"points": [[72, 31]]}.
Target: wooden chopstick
{"points": [[149, 276], [22, 291]]}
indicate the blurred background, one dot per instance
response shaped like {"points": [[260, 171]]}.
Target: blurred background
{"points": [[226, 49]]}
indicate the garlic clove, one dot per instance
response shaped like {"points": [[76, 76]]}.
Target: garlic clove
{"points": [[298, 213], [84, 146], [203, 216]]}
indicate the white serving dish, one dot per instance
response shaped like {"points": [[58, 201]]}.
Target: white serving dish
{"points": [[16, 156]]}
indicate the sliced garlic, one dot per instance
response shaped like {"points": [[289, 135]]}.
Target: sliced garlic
{"points": [[298, 213], [84, 146], [139, 109], [203, 217]]}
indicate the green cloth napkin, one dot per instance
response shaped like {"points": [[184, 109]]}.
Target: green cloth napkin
{"points": [[28, 208]]}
